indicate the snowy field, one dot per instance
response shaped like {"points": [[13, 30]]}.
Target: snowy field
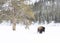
{"points": [[21, 35]]}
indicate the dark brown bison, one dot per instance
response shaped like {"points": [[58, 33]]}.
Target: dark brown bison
{"points": [[41, 29]]}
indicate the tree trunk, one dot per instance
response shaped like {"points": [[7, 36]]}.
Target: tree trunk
{"points": [[14, 19], [14, 24]]}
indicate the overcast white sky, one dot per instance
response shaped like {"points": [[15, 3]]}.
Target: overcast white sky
{"points": [[34, 1], [31, 1]]}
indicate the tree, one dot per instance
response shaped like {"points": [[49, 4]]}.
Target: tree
{"points": [[47, 10], [18, 12]]}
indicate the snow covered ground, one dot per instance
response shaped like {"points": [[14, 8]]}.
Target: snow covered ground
{"points": [[21, 35]]}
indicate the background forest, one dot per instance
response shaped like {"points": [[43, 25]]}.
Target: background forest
{"points": [[27, 12]]}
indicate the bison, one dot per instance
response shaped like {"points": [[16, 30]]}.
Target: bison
{"points": [[41, 29]]}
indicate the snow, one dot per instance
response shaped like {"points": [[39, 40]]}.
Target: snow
{"points": [[22, 35]]}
